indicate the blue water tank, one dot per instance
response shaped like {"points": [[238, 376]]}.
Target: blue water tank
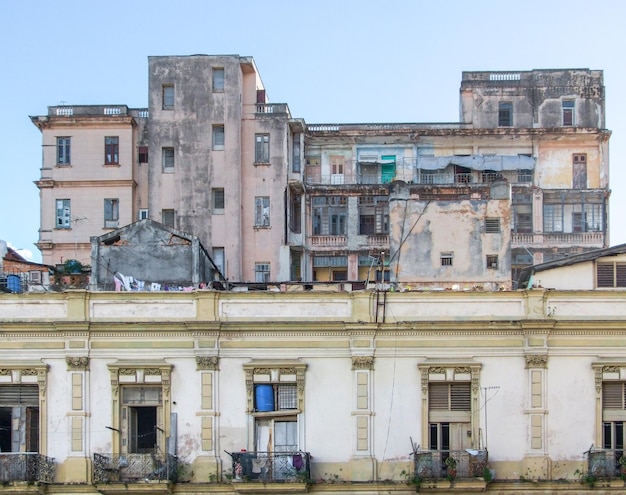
{"points": [[14, 283], [264, 397]]}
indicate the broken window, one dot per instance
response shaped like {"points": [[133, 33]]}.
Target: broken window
{"points": [[492, 261], [262, 211], [111, 213], [552, 218], [330, 215], [63, 214], [373, 215]]}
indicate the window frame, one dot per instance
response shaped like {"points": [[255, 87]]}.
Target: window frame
{"points": [[262, 212], [63, 212], [446, 258], [111, 150], [167, 212], [218, 78], [262, 149], [218, 200], [168, 159], [218, 137], [168, 96], [492, 261], [63, 151], [492, 225], [262, 271], [505, 114], [568, 112], [111, 213]]}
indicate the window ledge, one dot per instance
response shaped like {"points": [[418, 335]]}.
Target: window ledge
{"points": [[262, 164], [262, 227], [269, 414], [112, 165]]}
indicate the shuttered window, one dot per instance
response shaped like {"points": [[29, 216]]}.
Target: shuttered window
{"points": [[614, 401], [611, 274], [449, 396], [19, 395]]}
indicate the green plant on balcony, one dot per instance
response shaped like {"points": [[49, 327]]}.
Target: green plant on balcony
{"points": [[450, 463], [622, 467]]}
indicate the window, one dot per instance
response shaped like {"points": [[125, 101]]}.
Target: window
{"points": [[262, 148], [505, 114], [218, 79], [330, 214], [111, 213], [218, 137], [168, 218], [579, 170], [446, 258], [19, 418], [111, 150], [524, 175], [336, 169], [295, 162], [143, 154], [295, 213], [614, 418], [262, 211], [143, 214], [450, 421], [143, 422], [63, 213], [168, 159], [63, 150], [552, 218], [218, 199], [492, 225], [276, 403], [262, 272], [610, 274], [522, 213], [492, 261], [568, 113], [168, 96]]}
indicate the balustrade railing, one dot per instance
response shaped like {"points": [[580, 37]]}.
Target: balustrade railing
{"points": [[328, 240], [26, 466], [603, 463], [128, 468], [271, 466]]}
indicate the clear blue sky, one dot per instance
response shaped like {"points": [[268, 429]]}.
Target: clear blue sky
{"points": [[331, 61]]}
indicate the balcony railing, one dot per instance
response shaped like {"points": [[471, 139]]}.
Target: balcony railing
{"points": [[26, 466], [273, 109], [441, 464], [556, 239], [329, 240], [129, 468], [605, 463], [381, 240], [272, 466]]}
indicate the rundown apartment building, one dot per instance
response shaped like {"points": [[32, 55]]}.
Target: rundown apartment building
{"points": [[521, 179]]}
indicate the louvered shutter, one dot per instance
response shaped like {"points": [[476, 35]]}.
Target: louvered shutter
{"points": [[613, 401]]}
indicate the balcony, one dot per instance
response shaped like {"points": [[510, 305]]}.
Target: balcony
{"points": [[272, 109], [605, 464], [558, 239], [450, 464], [328, 240], [131, 468], [271, 467], [378, 240], [26, 467]]}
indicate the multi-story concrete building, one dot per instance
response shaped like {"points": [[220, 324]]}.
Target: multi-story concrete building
{"points": [[275, 199]]}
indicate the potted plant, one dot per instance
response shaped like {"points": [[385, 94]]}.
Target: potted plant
{"points": [[450, 463]]}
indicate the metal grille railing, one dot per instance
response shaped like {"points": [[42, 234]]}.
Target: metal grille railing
{"points": [[606, 463], [124, 468], [26, 466], [440, 464], [271, 466]]}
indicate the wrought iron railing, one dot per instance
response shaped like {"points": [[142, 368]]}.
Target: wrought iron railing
{"points": [[606, 463], [451, 464], [26, 466], [271, 466], [125, 468]]}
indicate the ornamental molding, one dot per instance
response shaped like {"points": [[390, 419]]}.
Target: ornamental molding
{"points": [[536, 360], [362, 362], [77, 362], [207, 363]]}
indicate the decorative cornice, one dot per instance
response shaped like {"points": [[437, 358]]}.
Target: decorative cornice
{"points": [[536, 360], [77, 362], [207, 363], [362, 362]]}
